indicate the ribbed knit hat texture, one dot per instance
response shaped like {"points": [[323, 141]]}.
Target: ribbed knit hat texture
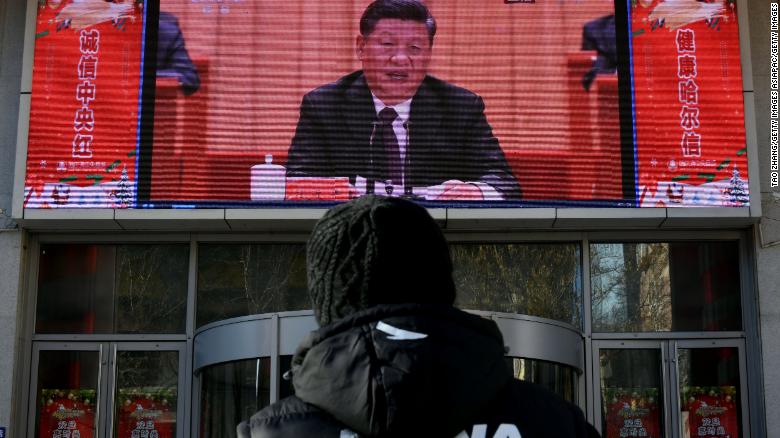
{"points": [[376, 250]]}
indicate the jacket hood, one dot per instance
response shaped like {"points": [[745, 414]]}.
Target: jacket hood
{"points": [[402, 370]]}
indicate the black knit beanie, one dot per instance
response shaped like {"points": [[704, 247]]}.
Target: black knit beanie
{"points": [[376, 250]]}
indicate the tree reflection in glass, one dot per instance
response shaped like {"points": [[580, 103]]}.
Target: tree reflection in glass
{"points": [[533, 279], [558, 378], [238, 280], [86, 288], [630, 287], [151, 288], [675, 286]]}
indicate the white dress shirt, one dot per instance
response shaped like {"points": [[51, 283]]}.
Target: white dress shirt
{"points": [[399, 125], [402, 135]]}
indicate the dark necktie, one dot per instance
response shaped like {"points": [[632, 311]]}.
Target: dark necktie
{"points": [[390, 142]]}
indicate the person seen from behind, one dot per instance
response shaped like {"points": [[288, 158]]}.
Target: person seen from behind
{"points": [[392, 356]]}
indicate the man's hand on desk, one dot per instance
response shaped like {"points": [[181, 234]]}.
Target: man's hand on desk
{"points": [[451, 190], [455, 190], [354, 192]]}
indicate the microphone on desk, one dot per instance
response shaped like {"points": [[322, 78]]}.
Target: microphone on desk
{"points": [[408, 192], [371, 177], [407, 186]]}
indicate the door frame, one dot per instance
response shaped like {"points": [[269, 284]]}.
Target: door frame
{"points": [[739, 344], [670, 376], [107, 371], [38, 347], [646, 344]]}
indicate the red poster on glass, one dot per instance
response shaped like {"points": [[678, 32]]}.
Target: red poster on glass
{"points": [[84, 104], [712, 412], [632, 413], [690, 129], [146, 414], [66, 414]]}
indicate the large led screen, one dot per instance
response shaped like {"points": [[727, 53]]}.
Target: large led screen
{"points": [[251, 103]]}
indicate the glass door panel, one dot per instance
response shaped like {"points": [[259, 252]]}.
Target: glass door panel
{"points": [[67, 388], [631, 391], [231, 392], [671, 388], [136, 384], [146, 394], [558, 378], [710, 392]]}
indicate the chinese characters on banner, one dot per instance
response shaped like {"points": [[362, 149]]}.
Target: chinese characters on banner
{"points": [[688, 92], [84, 122], [84, 104], [711, 412], [632, 413], [67, 414], [146, 413], [690, 132]]}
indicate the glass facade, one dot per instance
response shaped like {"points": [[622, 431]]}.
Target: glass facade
{"points": [[111, 329], [89, 289], [238, 280], [531, 279], [656, 287]]}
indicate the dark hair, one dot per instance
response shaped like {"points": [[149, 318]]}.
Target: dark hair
{"points": [[412, 10]]}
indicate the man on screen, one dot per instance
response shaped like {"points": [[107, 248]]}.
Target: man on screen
{"points": [[392, 128], [599, 35], [173, 60]]}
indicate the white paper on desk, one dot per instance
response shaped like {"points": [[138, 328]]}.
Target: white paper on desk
{"points": [[360, 184], [431, 192]]}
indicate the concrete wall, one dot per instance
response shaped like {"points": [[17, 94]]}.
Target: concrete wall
{"points": [[768, 231], [10, 255], [12, 17]]}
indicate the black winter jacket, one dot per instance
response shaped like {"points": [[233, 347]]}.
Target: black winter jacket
{"points": [[412, 371]]}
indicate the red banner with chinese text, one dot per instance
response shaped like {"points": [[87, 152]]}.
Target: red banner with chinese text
{"points": [[632, 413], [144, 413], [711, 414], [690, 133], [84, 104], [66, 414]]}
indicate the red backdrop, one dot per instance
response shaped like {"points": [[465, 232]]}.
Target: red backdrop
{"points": [[690, 131], [84, 104]]}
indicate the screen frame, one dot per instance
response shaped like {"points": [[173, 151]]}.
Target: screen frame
{"points": [[626, 123], [585, 210]]}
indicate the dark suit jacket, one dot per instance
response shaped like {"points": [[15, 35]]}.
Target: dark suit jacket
{"points": [[449, 137], [172, 57], [599, 35]]}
